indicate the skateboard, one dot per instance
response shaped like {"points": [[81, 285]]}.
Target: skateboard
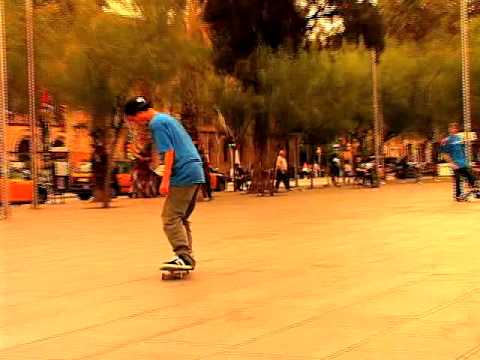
{"points": [[471, 194], [169, 274]]}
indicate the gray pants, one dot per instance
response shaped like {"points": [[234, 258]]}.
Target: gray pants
{"points": [[178, 207]]}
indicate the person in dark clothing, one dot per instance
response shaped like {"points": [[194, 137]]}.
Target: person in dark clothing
{"points": [[207, 187], [334, 166], [240, 177]]}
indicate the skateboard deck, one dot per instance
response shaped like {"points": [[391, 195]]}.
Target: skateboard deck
{"points": [[170, 274], [475, 194]]}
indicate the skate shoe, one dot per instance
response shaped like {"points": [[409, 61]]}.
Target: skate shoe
{"points": [[177, 263]]}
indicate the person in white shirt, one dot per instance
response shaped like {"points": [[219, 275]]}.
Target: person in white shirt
{"points": [[281, 170]]}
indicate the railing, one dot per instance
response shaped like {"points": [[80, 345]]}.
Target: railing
{"points": [[20, 119], [17, 119]]}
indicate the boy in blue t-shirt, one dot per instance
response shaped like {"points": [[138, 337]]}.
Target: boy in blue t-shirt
{"points": [[453, 146], [181, 180]]}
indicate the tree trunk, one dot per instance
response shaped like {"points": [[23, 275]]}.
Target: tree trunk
{"points": [[263, 176], [99, 168], [105, 142], [107, 185]]}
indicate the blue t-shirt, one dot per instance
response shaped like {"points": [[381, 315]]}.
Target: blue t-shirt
{"points": [[169, 134], [454, 146]]}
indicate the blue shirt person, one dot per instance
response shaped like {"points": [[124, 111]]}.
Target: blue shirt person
{"points": [[181, 179], [454, 149], [168, 135]]}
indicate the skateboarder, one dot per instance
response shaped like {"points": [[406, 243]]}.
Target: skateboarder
{"points": [[181, 181], [453, 146]]}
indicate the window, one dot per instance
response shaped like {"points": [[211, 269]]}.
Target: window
{"points": [[23, 150]]}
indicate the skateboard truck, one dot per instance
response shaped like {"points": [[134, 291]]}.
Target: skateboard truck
{"points": [[169, 274]]}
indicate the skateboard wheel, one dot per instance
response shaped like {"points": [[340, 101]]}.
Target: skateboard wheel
{"points": [[174, 274]]}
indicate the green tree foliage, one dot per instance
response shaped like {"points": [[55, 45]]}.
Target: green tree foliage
{"points": [[16, 55], [240, 26], [268, 71], [362, 20], [421, 87], [91, 59], [417, 20], [424, 20], [96, 56], [237, 106], [318, 94]]}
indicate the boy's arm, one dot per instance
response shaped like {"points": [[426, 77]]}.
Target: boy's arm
{"points": [[169, 159], [450, 160], [446, 154], [164, 146]]}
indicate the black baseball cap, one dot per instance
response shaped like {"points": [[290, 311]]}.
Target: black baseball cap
{"points": [[136, 105]]}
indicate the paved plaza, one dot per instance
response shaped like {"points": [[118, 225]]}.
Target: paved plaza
{"points": [[347, 274]]}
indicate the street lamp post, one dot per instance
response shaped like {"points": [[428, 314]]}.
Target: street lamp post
{"points": [[466, 75], [31, 98], [296, 159], [377, 113], [4, 188]]}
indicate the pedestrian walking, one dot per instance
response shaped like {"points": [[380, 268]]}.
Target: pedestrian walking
{"points": [[454, 150], [181, 180], [334, 164], [347, 160], [281, 171], [207, 187]]}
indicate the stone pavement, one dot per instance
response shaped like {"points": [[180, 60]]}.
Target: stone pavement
{"points": [[342, 274]]}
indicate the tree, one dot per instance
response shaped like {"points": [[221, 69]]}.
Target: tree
{"points": [[299, 90], [240, 27], [91, 59]]}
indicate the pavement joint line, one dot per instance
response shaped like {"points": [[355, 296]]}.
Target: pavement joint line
{"points": [[356, 345], [77, 292], [317, 317], [471, 352], [270, 355], [111, 348], [97, 325], [165, 332], [455, 301], [132, 316], [200, 322], [427, 300], [402, 322], [125, 344], [424, 315]]}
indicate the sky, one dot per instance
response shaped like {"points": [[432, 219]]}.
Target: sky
{"points": [[123, 7]]}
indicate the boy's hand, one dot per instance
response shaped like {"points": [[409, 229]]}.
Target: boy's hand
{"points": [[164, 188]]}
